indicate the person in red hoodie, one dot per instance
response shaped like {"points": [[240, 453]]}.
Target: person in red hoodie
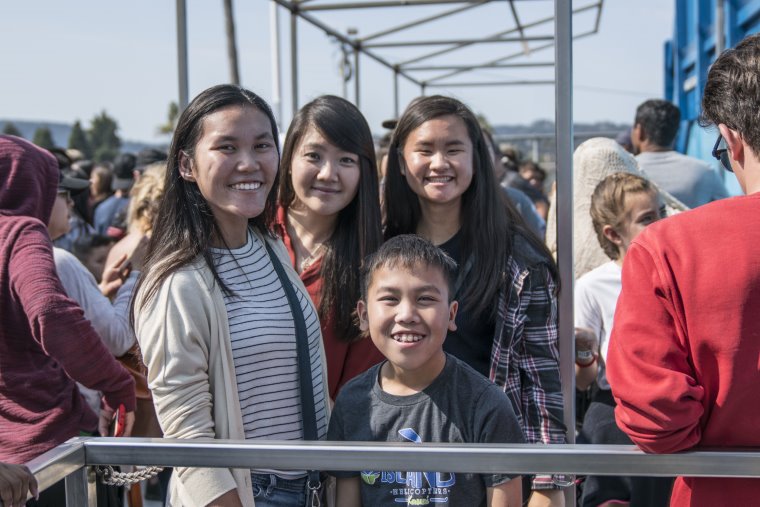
{"points": [[685, 347], [45, 341]]}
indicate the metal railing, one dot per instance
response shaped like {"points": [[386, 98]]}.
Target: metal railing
{"points": [[72, 459]]}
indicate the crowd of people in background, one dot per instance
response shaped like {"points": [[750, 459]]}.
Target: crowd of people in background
{"points": [[236, 288]]}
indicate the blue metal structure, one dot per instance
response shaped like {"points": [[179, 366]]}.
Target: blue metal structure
{"points": [[688, 57]]}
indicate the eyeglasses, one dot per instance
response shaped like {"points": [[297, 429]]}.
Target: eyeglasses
{"points": [[720, 152]]}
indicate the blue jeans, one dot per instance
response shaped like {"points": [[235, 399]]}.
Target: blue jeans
{"points": [[272, 491]]}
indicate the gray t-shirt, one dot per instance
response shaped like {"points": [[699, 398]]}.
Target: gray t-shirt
{"points": [[459, 406], [690, 180]]}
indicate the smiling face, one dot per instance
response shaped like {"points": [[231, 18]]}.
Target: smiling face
{"points": [[234, 165], [408, 315], [324, 177], [437, 160]]}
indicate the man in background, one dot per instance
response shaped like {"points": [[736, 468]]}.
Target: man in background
{"points": [[691, 181]]}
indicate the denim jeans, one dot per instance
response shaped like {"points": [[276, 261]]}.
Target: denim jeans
{"points": [[272, 491]]}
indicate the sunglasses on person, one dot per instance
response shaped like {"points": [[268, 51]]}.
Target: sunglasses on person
{"points": [[720, 152]]}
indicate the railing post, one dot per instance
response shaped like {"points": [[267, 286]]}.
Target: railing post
{"points": [[563, 89], [356, 76], [77, 490], [182, 72], [293, 63]]}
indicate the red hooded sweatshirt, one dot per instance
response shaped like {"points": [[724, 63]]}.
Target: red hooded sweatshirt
{"points": [[45, 341], [684, 356]]}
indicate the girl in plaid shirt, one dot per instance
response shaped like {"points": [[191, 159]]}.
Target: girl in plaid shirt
{"points": [[440, 185]]}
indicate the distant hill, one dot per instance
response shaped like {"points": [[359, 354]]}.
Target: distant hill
{"points": [[61, 131], [536, 141], [545, 147], [547, 127]]}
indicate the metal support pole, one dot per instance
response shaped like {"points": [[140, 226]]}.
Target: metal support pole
{"points": [[181, 56], [563, 54], [423, 87], [76, 488], [395, 94], [534, 146], [294, 62], [232, 56], [356, 77], [720, 27], [274, 44], [563, 75], [92, 486]]}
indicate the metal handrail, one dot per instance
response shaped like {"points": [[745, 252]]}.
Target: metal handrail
{"points": [[71, 459], [58, 463], [477, 458]]}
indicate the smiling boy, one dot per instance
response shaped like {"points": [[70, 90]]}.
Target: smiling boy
{"points": [[420, 394]]}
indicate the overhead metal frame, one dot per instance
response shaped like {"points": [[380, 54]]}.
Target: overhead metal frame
{"points": [[371, 45]]}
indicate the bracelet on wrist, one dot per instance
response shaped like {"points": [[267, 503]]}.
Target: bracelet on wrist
{"points": [[586, 363]]}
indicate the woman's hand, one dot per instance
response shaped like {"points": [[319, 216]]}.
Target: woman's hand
{"points": [[113, 276], [15, 481], [106, 418], [586, 341]]}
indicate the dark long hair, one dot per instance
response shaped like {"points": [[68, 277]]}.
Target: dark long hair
{"points": [[490, 223], [185, 225], [358, 229]]}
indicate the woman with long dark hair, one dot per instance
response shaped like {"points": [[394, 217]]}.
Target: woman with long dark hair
{"points": [[440, 185], [329, 219], [229, 335]]}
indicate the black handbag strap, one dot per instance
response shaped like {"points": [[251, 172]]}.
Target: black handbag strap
{"points": [[308, 409]]}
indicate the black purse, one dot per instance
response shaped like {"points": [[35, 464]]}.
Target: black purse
{"points": [[308, 409]]}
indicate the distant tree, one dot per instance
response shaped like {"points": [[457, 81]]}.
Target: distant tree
{"points": [[171, 121], [484, 123], [78, 140], [43, 138], [11, 130], [104, 142]]}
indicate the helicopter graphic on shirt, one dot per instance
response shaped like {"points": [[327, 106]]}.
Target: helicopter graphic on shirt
{"points": [[414, 488]]}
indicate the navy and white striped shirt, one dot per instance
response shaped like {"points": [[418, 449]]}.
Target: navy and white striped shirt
{"points": [[262, 334]]}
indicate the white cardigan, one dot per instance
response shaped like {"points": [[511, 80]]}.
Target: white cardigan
{"points": [[185, 341]]}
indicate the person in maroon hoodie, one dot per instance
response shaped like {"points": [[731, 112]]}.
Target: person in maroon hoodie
{"points": [[45, 341], [685, 347], [329, 220]]}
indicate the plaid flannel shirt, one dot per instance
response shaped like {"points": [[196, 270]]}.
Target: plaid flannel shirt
{"points": [[525, 354]]}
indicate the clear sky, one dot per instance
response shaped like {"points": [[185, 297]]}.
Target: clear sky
{"points": [[69, 60]]}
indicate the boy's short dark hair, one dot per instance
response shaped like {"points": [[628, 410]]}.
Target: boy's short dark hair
{"points": [[408, 251]]}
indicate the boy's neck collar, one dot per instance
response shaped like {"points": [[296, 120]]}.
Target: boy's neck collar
{"points": [[397, 382]]}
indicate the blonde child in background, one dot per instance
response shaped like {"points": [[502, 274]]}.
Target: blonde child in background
{"points": [[622, 205]]}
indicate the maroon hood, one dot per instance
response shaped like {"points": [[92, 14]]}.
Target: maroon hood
{"points": [[28, 179]]}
